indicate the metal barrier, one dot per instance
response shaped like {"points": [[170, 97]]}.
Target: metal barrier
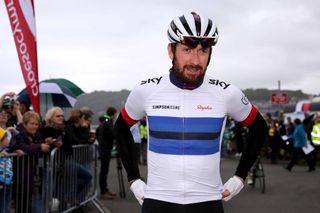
{"points": [[51, 183]]}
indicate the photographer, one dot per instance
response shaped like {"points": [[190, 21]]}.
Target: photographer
{"points": [[8, 102]]}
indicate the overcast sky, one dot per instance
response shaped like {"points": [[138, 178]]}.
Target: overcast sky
{"points": [[112, 45]]}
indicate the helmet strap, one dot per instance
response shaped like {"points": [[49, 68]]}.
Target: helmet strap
{"points": [[209, 57], [173, 47]]}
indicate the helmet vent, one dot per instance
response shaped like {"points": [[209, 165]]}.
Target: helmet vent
{"points": [[185, 25], [208, 28], [197, 22]]}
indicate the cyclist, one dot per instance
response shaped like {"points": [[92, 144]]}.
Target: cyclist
{"points": [[186, 110]]}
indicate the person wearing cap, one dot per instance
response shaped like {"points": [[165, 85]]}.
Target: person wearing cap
{"points": [[186, 111]]}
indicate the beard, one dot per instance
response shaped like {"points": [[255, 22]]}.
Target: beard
{"points": [[189, 80]]}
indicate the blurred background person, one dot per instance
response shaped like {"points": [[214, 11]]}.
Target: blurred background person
{"points": [[274, 140], [299, 141], [144, 140], [315, 137], [24, 107], [85, 132], [106, 141], [135, 131]]}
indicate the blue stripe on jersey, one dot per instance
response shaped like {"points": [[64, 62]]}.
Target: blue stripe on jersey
{"points": [[184, 136], [184, 147]]}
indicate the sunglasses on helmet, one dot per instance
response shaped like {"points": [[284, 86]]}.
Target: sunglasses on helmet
{"points": [[194, 41]]}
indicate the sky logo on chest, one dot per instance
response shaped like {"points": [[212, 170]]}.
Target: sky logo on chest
{"points": [[217, 82], [151, 80]]}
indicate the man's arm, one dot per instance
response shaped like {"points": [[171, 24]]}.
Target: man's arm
{"points": [[256, 137], [126, 149]]}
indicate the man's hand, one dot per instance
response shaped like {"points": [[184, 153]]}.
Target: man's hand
{"points": [[232, 187], [138, 188]]}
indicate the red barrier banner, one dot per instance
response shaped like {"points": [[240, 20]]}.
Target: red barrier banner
{"points": [[22, 20]]}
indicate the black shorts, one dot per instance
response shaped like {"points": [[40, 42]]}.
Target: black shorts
{"points": [[157, 206]]}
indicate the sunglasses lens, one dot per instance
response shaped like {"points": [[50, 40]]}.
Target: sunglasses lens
{"points": [[190, 41], [194, 41], [207, 42]]}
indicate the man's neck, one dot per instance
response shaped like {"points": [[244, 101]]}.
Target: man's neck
{"points": [[181, 84]]}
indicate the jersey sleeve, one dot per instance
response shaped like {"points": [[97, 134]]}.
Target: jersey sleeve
{"points": [[239, 107], [133, 109]]}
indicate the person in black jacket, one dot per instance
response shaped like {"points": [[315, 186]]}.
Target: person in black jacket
{"points": [[105, 138], [73, 164]]}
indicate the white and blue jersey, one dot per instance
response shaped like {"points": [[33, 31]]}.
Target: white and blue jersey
{"points": [[185, 131]]}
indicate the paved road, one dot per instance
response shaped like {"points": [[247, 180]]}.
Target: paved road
{"points": [[287, 192]]}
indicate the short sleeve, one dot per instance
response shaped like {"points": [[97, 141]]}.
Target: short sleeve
{"points": [[134, 108], [239, 107]]}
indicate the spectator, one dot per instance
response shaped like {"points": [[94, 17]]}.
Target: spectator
{"points": [[315, 137], [274, 141], [74, 136], [28, 140], [144, 140], [54, 126], [12, 107], [3, 118], [6, 172], [135, 131], [299, 141], [85, 128], [24, 107], [239, 133], [52, 133], [106, 142]]}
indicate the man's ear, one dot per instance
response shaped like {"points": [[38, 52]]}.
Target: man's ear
{"points": [[170, 51]]}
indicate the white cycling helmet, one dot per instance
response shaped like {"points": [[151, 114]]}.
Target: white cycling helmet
{"points": [[192, 25]]}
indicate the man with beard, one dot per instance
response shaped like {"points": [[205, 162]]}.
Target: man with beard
{"points": [[186, 112]]}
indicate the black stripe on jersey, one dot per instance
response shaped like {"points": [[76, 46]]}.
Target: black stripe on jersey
{"points": [[184, 136]]}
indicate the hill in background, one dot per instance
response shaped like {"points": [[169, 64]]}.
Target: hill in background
{"points": [[98, 101]]}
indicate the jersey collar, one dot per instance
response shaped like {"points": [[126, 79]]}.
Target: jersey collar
{"points": [[182, 85]]}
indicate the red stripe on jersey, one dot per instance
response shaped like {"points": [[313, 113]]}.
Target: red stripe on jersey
{"points": [[252, 115], [127, 118]]}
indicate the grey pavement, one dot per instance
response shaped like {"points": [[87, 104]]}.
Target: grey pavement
{"points": [[286, 192]]}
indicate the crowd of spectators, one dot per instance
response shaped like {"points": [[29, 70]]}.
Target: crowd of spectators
{"points": [[25, 133]]}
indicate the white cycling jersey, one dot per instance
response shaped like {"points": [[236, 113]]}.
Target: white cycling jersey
{"points": [[185, 131]]}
